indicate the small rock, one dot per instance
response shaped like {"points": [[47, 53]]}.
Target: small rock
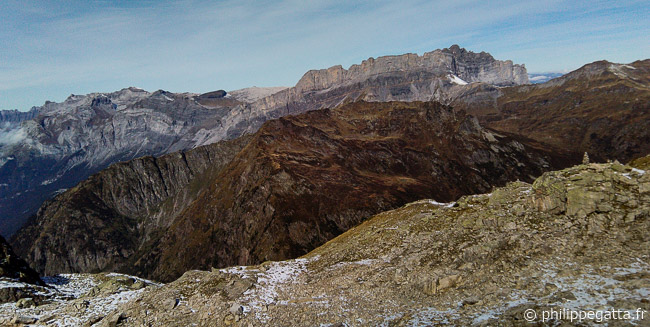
{"points": [[470, 301], [170, 304], [563, 297], [448, 282], [112, 320], [81, 306], [236, 309], [23, 320], [138, 285], [27, 302]]}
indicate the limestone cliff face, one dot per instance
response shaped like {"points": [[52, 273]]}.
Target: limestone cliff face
{"points": [[437, 75], [15, 117], [467, 65]]}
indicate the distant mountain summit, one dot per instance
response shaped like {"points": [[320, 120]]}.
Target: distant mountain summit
{"points": [[602, 108]]}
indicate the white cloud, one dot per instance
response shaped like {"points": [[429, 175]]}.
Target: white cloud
{"points": [[203, 45], [12, 136]]}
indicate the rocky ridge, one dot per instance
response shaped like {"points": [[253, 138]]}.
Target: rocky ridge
{"points": [[101, 222], [15, 117], [298, 182], [574, 239], [437, 75], [602, 108], [68, 141]]}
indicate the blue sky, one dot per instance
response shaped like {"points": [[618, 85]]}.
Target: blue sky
{"points": [[51, 49]]}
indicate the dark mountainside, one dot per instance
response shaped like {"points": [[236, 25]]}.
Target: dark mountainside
{"points": [[602, 108], [101, 221], [575, 238], [15, 268], [60, 144], [300, 181]]}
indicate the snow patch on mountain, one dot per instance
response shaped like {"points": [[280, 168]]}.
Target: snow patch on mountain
{"points": [[252, 94], [456, 80]]}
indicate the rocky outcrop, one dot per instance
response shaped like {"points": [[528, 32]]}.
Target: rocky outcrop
{"points": [[14, 268], [299, 182], [602, 108], [100, 223], [503, 258], [436, 75]]}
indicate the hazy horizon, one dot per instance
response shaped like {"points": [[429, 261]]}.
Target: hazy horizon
{"points": [[53, 50]]}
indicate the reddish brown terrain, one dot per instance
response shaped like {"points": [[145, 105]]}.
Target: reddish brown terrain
{"points": [[602, 108]]}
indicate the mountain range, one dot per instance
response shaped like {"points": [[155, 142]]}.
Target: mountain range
{"points": [[234, 202], [66, 142], [359, 187]]}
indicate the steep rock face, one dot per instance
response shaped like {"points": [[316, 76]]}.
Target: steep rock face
{"points": [[15, 117], [436, 75], [602, 108], [101, 222], [68, 141], [467, 65], [486, 260], [299, 182]]}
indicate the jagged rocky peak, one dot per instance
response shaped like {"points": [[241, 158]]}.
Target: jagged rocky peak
{"points": [[15, 117], [467, 65]]}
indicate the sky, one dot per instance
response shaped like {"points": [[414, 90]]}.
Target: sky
{"points": [[51, 49]]}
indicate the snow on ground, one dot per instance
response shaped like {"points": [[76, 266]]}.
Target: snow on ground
{"points": [[441, 204], [638, 171], [269, 282], [456, 80], [10, 283], [63, 289]]}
